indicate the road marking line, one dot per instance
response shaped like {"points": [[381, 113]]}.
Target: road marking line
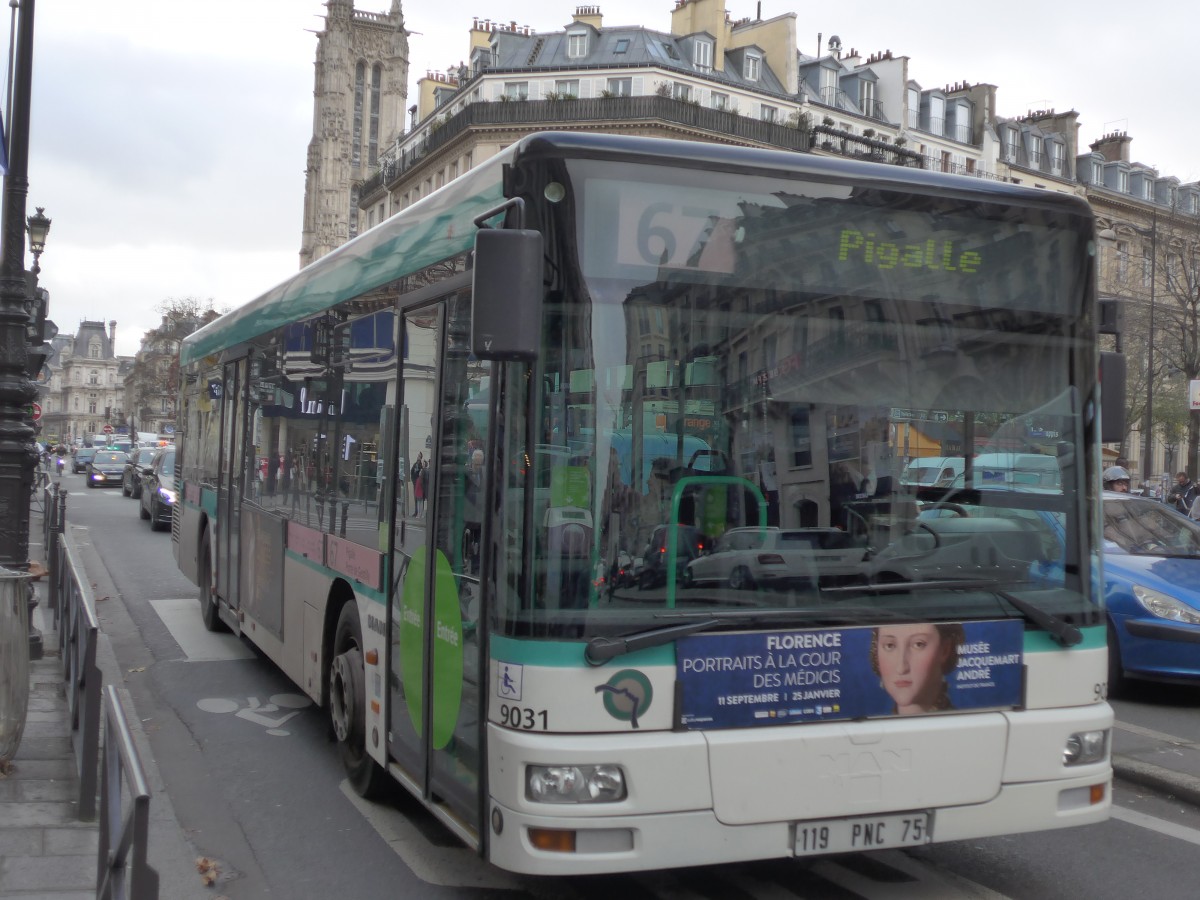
{"points": [[1151, 733], [1162, 826], [182, 618]]}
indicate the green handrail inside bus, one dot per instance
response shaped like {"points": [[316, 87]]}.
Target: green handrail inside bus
{"points": [[705, 481]]}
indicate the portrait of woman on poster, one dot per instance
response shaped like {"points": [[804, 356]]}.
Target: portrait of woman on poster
{"points": [[912, 662]]}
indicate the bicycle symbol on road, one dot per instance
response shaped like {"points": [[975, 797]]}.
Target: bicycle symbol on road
{"points": [[259, 713]]}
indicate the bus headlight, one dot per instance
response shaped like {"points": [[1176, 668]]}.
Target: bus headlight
{"points": [[575, 784], [1165, 606], [1085, 747]]}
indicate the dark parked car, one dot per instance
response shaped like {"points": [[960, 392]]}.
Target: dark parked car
{"points": [[158, 490], [138, 462], [105, 468], [690, 543], [83, 456]]}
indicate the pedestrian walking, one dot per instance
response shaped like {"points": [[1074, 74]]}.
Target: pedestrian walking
{"points": [[418, 483], [1183, 495]]}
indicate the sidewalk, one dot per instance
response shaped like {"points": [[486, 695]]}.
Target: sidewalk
{"points": [[46, 852]]}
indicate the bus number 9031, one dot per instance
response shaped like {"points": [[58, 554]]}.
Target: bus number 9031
{"points": [[524, 719]]}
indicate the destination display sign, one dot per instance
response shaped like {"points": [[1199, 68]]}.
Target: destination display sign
{"points": [[793, 235], [749, 679]]}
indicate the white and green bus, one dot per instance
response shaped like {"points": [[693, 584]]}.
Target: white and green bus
{"points": [[456, 479]]}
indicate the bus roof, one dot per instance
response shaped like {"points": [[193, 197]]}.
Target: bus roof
{"points": [[441, 225]]}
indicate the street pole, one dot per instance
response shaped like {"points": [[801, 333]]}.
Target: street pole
{"points": [[17, 391], [1148, 426]]}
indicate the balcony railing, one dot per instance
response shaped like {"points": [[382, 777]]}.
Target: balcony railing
{"points": [[539, 115]]}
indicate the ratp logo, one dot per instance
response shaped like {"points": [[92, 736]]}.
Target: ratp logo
{"points": [[627, 695]]}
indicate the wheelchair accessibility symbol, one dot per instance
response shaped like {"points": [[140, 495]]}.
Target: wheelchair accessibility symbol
{"points": [[266, 714]]}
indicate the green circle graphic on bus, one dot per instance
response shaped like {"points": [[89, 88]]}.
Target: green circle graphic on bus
{"points": [[627, 695], [447, 652], [447, 646]]}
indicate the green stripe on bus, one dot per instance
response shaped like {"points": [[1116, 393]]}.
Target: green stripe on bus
{"points": [[569, 654], [360, 588], [1094, 637], [406, 243]]}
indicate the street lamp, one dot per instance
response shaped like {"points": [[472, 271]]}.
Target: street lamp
{"points": [[38, 226], [1148, 421]]}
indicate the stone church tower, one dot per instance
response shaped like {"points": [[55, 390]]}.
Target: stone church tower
{"points": [[358, 112]]}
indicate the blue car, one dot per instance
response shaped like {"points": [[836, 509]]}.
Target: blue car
{"points": [[1152, 588]]}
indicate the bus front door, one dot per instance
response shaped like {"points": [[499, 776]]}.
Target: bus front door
{"points": [[436, 694]]}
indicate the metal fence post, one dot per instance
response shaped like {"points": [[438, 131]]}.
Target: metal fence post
{"points": [[14, 660]]}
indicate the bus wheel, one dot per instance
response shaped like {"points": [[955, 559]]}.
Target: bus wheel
{"points": [[348, 705], [1117, 681]]}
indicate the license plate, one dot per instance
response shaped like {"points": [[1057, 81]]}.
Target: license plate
{"points": [[865, 833]]}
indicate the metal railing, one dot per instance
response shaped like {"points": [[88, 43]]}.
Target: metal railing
{"points": [[78, 629], [532, 114], [123, 871], [54, 515]]}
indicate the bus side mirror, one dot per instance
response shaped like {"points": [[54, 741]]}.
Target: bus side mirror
{"points": [[506, 294], [1112, 397]]}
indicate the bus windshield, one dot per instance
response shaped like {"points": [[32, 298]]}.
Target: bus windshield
{"points": [[730, 396]]}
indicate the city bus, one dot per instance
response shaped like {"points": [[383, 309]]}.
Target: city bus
{"points": [[675, 340]]}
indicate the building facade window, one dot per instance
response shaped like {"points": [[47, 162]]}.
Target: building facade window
{"points": [[620, 87], [516, 90], [753, 67], [1058, 156], [567, 87], [622, 46], [720, 100], [702, 55], [681, 91], [866, 97], [1035, 150], [768, 113]]}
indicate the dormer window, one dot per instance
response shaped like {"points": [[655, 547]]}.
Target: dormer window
{"points": [[1035, 150], [753, 69], [1058, 156], [1097, 173], [702, 55], [577, 44], [1123, 182]]}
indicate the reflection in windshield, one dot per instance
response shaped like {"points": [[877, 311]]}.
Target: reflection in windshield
{"points": [[1149, 528], [729, 424]]}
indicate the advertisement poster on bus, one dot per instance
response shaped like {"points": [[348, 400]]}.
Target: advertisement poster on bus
{"points": [[785, 677]]}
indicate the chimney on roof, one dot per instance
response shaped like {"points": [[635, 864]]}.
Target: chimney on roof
{"points": [[589, 15], [112, 335], [1113, 147]]}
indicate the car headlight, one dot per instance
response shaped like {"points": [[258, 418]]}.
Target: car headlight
{"points": [[167, 494], [575, 784], [1165, 606], [1085, 747]]}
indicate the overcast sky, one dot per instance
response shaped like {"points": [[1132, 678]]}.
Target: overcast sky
{"points": [[168, 139]]}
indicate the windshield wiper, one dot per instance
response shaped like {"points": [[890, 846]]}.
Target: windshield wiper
{"points": [[601, 648], [1064, 632]]}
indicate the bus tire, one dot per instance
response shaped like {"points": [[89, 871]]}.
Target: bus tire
{"points": [[348, 705], [1117, 682], [209, 613]]}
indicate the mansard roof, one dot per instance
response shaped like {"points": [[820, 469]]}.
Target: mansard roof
{"points": [[637, 46]]}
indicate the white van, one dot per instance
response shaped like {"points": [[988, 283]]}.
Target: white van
{"points": [[925, 471], [1017, 470]]}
